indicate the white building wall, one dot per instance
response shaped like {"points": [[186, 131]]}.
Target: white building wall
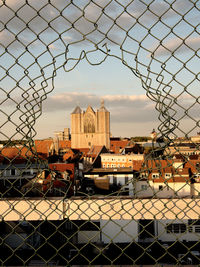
{"points": [[196, 189], [126, 231], [182, 189], [119, 231], [143, 189], [120, 179], [163, 190], [170, 237]]}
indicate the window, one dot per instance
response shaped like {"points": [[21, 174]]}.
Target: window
{"points": [[114, 180], [108, 165], [155, 175], [144, 187], [197, 229], [12, 171], [176, 228], [168, 175], [194, 229], [104, 165], [160, 187], [126, 179]]}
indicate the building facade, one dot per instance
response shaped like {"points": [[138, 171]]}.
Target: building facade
{"points": [[90, 127], [109, 160]]}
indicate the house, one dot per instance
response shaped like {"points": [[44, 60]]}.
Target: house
{"points": [[106, 231], [184, 148], [117, 144], [140, 231], [119, 179], [164, 179], [14, 177], [109, 160], [93, 156]]}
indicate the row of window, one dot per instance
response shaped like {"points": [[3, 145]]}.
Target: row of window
{"points": [[156, 175], [176, 228], [160, 187], [179, 228], [113, 165], [114, 159]]}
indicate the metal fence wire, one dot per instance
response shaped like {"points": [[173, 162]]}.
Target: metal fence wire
{"points": [[158, 223]]}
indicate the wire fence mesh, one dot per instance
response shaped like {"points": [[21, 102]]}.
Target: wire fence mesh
{"points": [[47, 218]]}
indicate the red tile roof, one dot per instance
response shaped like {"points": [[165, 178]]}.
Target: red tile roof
{"points": [[68, 154], [117, 145], [43, 146], [83, 150], [65, 144], [14, 152], [63, 167]]}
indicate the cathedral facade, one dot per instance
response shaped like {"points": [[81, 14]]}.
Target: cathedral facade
{"points": [[90, 127]]}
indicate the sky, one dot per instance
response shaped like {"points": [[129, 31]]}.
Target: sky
{"points": [[131, 49]]}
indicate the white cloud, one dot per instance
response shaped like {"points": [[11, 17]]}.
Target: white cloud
{"points": [[123, 108], [70, 99], [177, 45]]}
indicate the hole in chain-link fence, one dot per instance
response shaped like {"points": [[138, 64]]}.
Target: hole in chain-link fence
{"points": [[47, 216]]}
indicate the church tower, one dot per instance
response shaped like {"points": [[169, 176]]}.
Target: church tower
{"points": [[90, 128]]}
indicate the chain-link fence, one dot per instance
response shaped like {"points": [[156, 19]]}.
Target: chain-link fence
{"points": [[48, 217]]}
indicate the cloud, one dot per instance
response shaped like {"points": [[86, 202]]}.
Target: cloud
{"points": [[176, 45], [123, 108], [69, 100], [87, 19], [99, 22]]}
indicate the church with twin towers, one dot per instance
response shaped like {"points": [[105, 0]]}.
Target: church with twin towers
{"points": [[90, 127]]}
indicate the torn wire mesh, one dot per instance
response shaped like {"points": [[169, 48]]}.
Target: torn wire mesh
{"points": [[158, 41]]}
